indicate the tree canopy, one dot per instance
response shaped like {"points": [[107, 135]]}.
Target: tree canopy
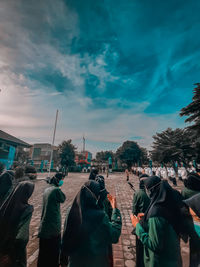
{"points": [[129, 153], [67, 153], [193, 110], [171, 146]]}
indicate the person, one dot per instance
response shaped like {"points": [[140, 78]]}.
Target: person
{"points": [[127, 174], [140, 204], [6, 184], [162, 225], [88, 231], [193, 204], [106, 203], [93, 174], [191, 185], [50, 224], [15, 217]]}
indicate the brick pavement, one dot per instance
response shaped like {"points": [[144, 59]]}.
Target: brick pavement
{"points": [[124, 251]]}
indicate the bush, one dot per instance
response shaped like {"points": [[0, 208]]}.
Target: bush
{"points": [[2, 167]]}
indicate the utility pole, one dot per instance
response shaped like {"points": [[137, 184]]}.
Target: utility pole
{"points": [[83, 143], [54, 134]]}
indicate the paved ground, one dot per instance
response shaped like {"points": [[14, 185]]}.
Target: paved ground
{"points": [[124, 251]]}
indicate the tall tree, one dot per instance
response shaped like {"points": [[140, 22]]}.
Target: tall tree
{"points": [[170, 146], [193, 112], [67, 153], [129, 153]]}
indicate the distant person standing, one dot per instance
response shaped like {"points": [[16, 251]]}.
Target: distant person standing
{"points": [[127, 174], [50, 224]]}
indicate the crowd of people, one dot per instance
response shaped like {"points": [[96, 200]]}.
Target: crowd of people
{"points": [[161, 217]]}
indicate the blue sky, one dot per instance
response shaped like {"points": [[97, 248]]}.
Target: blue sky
{"points": [[115, 69]]}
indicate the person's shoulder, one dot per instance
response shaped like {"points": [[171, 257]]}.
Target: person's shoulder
{"points": [[158, 220]]}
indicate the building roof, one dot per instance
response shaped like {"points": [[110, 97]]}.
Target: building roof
{"points": [[12, 140]]}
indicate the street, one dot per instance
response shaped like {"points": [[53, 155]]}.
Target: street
{"points": [[124, 251]]}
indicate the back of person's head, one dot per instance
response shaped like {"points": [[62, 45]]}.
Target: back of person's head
{"points": [[193, 181], [93, 174], [103, 192], [141, 179], [57, 179]]}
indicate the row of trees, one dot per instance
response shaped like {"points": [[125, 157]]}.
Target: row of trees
{"points": [[129, 153], [170, 146], [180, 145]]}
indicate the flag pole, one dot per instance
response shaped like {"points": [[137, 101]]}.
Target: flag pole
{"points": [[54, 134]]}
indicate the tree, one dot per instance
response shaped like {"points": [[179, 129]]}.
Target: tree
{"points": [[170, 146], [22, 156], [67, 153], [193, 111], [103, 156], [129, 153]]}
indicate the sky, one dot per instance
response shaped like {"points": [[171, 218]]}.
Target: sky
{"points": [[116, 70]]}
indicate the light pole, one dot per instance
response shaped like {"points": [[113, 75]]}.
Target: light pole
{"points": [[54, 133]]}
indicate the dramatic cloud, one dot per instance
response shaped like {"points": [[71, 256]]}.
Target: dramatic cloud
{"points": [[116, 70]]}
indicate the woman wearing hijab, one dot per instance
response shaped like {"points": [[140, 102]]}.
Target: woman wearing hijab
{"points": [[50, 224], [194, 205], [89, 233], [6, 185], [106, 203], [107, 208], [140, 204], [15, 216], [161, 226], [192, 186]]}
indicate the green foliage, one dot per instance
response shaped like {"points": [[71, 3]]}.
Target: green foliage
{"points": [[21, 155], [172, 145], [67, 153], [193, 110], [103, 156], [129, 153]]}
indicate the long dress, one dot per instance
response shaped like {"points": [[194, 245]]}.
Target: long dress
{"points": [[50, 227]]}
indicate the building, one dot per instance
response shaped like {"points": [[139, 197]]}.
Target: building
{"points": [[83, 158], [9, 146], [41, 154]]}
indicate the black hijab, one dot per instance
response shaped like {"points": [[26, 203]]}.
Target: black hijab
{"points": [[6, 181], [193, 181], [165, 202], [194, 203], [56, 179], [93, 174], [84, 217], [141, 179], [11, 211], [103, 192]]}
